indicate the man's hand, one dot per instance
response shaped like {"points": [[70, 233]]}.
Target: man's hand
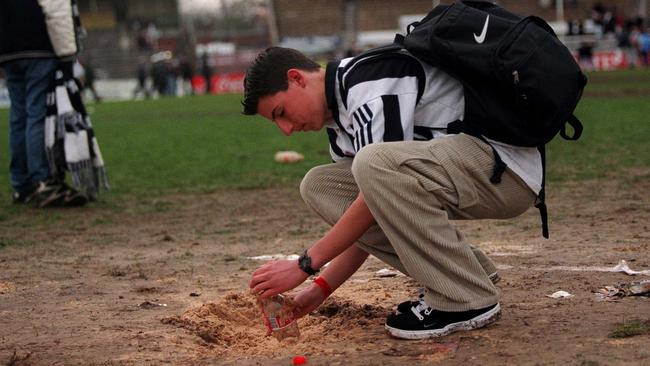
{"points": [[276, 277], [307, 300]]}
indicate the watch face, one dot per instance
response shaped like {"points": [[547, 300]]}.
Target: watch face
{"points": [[304, 262]]}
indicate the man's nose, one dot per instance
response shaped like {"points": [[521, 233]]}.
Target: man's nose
{"points": [[285, 127]]}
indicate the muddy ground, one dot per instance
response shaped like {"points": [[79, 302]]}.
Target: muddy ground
{"points": [[164, 281]]}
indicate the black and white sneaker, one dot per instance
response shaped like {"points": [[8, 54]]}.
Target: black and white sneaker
{"points": [[22, 197], [424, 322], [58, 194], [406, 305]]}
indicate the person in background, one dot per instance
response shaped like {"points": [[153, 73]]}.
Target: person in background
{"points": [[36, 38], [206, 71], [141, 75], [89, 80], [186, 73], [159, 73], [85, 75], [171, 64], [586, 56], [643, 46], [625, 44]]}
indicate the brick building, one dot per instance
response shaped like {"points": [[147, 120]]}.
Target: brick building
{"points": [[102, 14], [304, 18]]}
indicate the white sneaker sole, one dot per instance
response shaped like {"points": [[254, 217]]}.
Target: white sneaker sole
{"points": [[477, 322]]}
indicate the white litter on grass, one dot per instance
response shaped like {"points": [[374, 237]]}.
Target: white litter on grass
{"points": [[150, 305], [559, 294], [279, 256], [385, 272], [288, 157], [268, 257], [622, 266]]}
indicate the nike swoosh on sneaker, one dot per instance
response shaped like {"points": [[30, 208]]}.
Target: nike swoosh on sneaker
{"points": [[481, 38]]}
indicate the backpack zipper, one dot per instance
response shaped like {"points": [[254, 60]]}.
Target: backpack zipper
{"points": [[515, 75]]}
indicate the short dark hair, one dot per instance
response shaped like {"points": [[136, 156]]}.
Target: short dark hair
{"points": [[267, 75]]}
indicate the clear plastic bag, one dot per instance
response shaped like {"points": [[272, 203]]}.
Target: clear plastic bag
{"points": [[277, 312]]}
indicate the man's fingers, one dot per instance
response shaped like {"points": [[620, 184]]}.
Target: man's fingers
{"points": [[259, 288], [269, 292], [259, 276], [255, 281], [264, 289]]}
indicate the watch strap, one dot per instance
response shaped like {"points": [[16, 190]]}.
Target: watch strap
{"points": [[304, 262]]}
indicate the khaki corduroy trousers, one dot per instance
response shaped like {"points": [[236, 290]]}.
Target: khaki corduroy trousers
{"points": [[414, 189]]}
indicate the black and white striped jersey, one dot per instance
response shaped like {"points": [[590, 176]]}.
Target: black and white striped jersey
{"points": [[395, 97], [388, 97]]}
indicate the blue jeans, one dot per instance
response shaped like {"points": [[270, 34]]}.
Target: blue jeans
{"points": [[28, 81]]}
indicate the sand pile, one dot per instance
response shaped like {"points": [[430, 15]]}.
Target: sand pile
{"points": [[233, 327]]}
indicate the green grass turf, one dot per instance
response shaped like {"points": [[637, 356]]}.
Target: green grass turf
{"points": [[190, 144], [616, 138], [199, 143]]}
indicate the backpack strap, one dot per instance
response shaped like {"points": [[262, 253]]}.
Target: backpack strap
{"points": [[499, 166], [391, 47], [577, 128], [540, 204]]}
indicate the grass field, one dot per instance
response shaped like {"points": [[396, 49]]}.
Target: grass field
{"points": [[199, 143], [203, 143]]}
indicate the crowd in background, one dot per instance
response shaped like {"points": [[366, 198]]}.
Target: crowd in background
{"points": [[164, 74], [631, 35]]}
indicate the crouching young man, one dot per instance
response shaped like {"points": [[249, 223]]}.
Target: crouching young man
{"points": [[396, 182]]}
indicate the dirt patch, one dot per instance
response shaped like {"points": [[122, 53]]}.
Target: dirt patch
{"points": [[606, 77], [632, 92], [144, 283]]}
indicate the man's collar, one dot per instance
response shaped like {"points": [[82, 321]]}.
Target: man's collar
{"points": [[330, 85]]}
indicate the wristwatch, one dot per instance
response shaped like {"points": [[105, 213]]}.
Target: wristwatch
{"points": [[304, 262]]}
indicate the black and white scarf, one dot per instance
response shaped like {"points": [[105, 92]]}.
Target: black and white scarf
{"points": [[70, 141]]}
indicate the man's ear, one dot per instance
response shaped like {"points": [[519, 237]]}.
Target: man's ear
{"points": [[296, 76]]}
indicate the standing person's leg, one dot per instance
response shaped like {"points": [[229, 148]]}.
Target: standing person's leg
{"points": [[412, 190], [96, 96], [18, 169], [49, 191], [330, 189], [39, 74]]}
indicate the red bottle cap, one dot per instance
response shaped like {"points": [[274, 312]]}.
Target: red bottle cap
{"points": [[299, 360]]}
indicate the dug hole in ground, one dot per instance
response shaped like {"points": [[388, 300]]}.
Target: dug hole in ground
{"points": [[165, 282]]}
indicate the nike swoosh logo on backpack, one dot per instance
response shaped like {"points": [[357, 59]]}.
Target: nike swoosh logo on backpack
{"points": [[480, 39]]}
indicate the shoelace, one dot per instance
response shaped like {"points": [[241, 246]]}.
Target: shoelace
{"points": [[420, 308]]}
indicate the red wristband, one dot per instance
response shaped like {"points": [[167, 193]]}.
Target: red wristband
{"points": [[324, 286]]}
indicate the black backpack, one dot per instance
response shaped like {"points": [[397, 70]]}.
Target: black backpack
{"points": [[521, 84]]}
